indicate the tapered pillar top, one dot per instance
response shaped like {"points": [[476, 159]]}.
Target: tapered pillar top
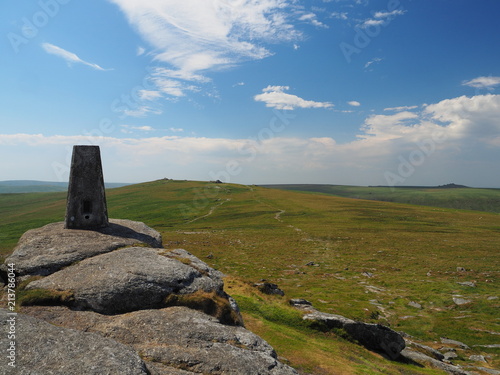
{"points": [[86, 205]]}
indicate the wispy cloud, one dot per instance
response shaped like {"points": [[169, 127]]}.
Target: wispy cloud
{"points": [[140, 111], [483, 82], [381, 18], [340, 15], [373, 61], [276, 97], [129, 129], [194, 37], [312, 19], [140, 51], [69, 57], [402, 108], [354, 103]]}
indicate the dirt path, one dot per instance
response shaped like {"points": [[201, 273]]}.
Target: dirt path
{"points": [[212, 209]]}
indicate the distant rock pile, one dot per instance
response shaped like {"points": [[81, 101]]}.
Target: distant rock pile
{"points": [[114, 301]]}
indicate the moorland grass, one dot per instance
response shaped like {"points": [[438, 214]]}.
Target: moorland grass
{"points": [[367, 260]]}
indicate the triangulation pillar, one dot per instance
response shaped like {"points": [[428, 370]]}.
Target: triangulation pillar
{"points": [[86, 205]]}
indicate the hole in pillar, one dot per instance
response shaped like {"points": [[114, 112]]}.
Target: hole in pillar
{"points": [[86, 209]]}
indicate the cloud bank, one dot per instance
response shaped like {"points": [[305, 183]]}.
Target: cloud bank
{"points": [[454, 140]]}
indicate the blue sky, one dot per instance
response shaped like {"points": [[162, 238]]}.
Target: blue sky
{"points": [[361, 92]]}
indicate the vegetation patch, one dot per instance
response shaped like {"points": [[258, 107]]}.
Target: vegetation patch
{"points": [[210, 303], [44, 297]]}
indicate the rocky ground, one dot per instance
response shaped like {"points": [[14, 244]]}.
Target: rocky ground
{"points": [[115, 302]]}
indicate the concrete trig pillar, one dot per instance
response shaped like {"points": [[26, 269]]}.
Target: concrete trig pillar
{"points": [[86, 205]]}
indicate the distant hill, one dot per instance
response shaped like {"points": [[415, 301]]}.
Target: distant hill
{"points": [[447, 186], [446, 196], [34, 186]]}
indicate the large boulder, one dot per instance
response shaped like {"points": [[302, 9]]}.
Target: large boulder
{"points": [[45, 250], [373, 336], [131, 279], [177, 340], [42, 348]]}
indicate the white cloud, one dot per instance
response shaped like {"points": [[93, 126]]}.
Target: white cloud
{"points": [[477, 116], [372, 22], [402, 108], [383, 14], [373, 61], [128, 128], [483, 82], [70, 57], [141, 111], [340, 15], [354, 103], [276, 97], [176, 130], [140, 51], [388, 126], [194, 36], [149, 94], [382, 17], [312, 19]]}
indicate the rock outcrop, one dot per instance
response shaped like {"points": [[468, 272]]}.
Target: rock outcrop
{"points": [[43, 348], [176, 338], [45, 250], [130, 307], [128, 279]]}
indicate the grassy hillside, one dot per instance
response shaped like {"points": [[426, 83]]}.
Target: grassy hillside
{"points": [[369, 260], [459, 198]]}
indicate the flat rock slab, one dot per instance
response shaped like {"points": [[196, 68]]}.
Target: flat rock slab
{"points": [[42, 348], [45, 250], [177, 340], [425, 360], [131, 279]]}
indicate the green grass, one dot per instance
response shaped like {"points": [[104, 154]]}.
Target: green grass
{"points": [[252, 233]]}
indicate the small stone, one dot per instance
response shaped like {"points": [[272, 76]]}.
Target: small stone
{"points": [[460, 269], [492, 298], [269, 288], [210, 256], [478, 358], [300, 303], [450, 355], [367, 274], [415, 304], [471, 284], [461, 301], [454, 342]]}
